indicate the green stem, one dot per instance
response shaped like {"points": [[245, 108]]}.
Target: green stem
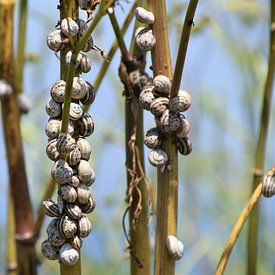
{"points": [[184, 40], [260, 150]]}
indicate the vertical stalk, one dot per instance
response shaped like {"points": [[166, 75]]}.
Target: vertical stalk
{"points": [[167, 185], [17, 174], [260, 150]]}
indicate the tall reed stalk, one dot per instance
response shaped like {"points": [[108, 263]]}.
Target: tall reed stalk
{"points": [[261, 146]]}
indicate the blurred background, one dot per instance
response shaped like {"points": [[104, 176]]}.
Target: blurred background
{"points": [[225, 72]]}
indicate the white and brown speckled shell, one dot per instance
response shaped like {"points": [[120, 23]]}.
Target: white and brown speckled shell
{"points": [[58, 91], [55, 40], [65, 143], [53, 224], [181, 102], [52, 151], [53, 108], [169, 122], [74, 157], [85, 64], [52, 128]]}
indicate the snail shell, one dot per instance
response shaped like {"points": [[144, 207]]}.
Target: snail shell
{"points": [[175, 247], [74, 157], [75, 181], [53, 224], [75, 112], [67, 193], [71, 128], [52, 128], [24, 103], [158, 158], [63, 174], [88, 4], [84, 148], [73, 211], [85, 172], [55, 238], [58, 91], [58, 163], [83, 193], [184, 128], [49, 251], [145, 40], [184, 145], [60, 204], [88, 45], [146, 97], [84, 227], [69, 27], [83, 26], [162, 85], [50, 208], [144, 16], [53, 108], [268, 189], [134, 77], [181, 102], [67, 227], [152, 138], [65, 143], [68, 255], [68, 58], [90, 94], [79, 88], [76, 242], [52, 151], [90, 206], [55, 40], [5, 89], [86, 125], [169, 122], [144, 81], [159, 106], [85, 64]]}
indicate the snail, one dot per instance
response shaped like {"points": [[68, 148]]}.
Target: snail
{"points": [[58, 91], [67, 193], [144, 80], [134, 77], [68, 58], [169, 122], [53, 224], [181, 102], [90, 94], [71, 128], [268, 189], [73, 211], [88, 45], [144, 16], [65, 143], [75, 112], [76, 242], [68, 255], [63, 174], [86, 125], [184, 145], [84, 148], [56, 238], [75, 181], [84, 227], [52, 128], [55, 40], [152, 138], [5, 89], [145, 39], [74, 157], [24, 103], [49, 251], [60, 204], [50, 208], [69, 27], [184, 127], [85, 64], [159, 106], [52, 151], [90, 206], [67, 227], [83, 193], [158, 158], [146, 97], [85, 172], [162, 85], [175, 247], [88, 5], [53, 108], [79, 88]]}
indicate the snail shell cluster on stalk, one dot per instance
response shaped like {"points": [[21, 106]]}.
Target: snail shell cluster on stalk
{"points": [[69, 151]]}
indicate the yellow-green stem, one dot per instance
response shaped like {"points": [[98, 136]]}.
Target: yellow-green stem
{"points": [[260, 150]]}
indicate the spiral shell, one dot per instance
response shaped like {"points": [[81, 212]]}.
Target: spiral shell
{"points": [[146, 97], [74, 157], [90, 94], [162, 85], [169, 122], [65, 143], [268, 189], [76, 242], [144, 16], [53, 224], [52, 151], [63, 174], [86, 125], [84, 148], [75, 181], [159, 106], [55, 238], [84, 227], [53, 108], [144, 80], [145, 40], [68, 255], [67, 193], [52, 128], [73, 211], [85, 172], [5, 89], [158, 158], [55, 40], [24, 103], [90, 206], [175, 247], [85, 64], [75, 112], [184, 145], [184, 127], [58, 163], [68, 58], [49, 251], [83, 26], [181, 102], [67, 227], [50, 208], [79, 88], [152, 138], [69, 27], [134, 77], [83, 194], [58, 91], [71, 128]]}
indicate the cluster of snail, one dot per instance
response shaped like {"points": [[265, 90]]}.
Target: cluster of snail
{"points": [[155, 98], [70, 153]]}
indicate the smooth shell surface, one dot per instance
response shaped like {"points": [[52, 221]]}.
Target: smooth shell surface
{"points": [[85, 172], [144, 16], [83, 193], [55, 40], [159, 106], [158, 158], [181, 102], [53, 108], [152, 138], [75, 112], [146, 98], [84, 226], [145, 40], [175, 247], [68, 255], [58, 91], [5, 89], [69, 27], [49, 251], [84, 148], [162, 85]]}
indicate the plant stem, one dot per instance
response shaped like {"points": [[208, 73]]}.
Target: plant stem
{"points": [[184, 40], [167, 185], [260, 150], [237, 229], [16, 166]]}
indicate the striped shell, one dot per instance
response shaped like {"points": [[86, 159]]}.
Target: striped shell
{"points": [[58, 91], [63, 174], [169, 122], [55, 238], [90, 94], [144, 16], [69, 27], [74, 157], [268, 189], [75, 181], [134, 77], [184, 128], [68, 255], [184, 145], [53, 224], [83, 193], [67, 193], [162, 85], [158, 158], [24, 103], [181, 102], [52, 151], [145, 40], [85, 64], [73, 211], [90, 206], [68, 58], [67, 227], [175, 247], [144, 80], [53, 108], [55, 40], [60, 204], [152, 138], [75, 112], [76, 242], [49, 251], [85, 172], [84, 227], [86, 125], [50, 208], [146, 97], [79, 89], [65, 143], [52, 128], [5, 89], [84, 148], [159, 106]]}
